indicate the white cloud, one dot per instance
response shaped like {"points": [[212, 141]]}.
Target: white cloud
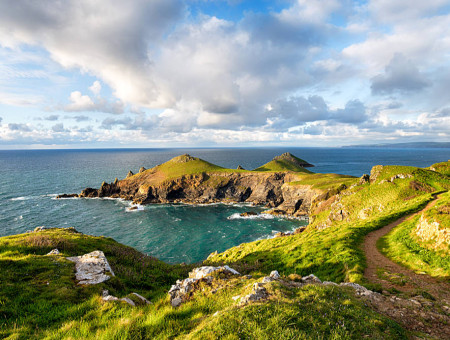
{"points": [[95, 88], [83, 103]]}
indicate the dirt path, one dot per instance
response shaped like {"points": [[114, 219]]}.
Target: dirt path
{"points": [[430, 316]]}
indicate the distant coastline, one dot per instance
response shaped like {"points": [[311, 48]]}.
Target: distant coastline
{"points": [[417, 145]]}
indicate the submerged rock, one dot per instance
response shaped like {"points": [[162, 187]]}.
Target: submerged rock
{"points": [[91, 268], [248, 213], [67, 196]]}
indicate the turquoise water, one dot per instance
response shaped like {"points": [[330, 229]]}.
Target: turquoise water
{"points": [[30, 180]]}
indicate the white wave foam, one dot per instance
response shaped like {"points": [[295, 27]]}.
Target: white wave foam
{"points": [[134, 207], [22, 198], [237, 216]]}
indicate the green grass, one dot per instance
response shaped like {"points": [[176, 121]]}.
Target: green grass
{"points": [[38, 292], [334, 253], [39, 299], [325, 181], [403, 246], [443, 167], [312, 312], [282, 165]]}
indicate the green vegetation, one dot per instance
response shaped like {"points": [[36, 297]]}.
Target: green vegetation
{"points": [[443, 167], [37, 292], [404, 246], [330, 246], [313, 312], [281, 165], [39, 299], [325, 181]]}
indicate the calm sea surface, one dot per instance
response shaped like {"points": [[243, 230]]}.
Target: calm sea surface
{"points": [[29, 181]]}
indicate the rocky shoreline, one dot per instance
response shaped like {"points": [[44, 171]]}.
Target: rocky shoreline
{"points": [[267, 188]]}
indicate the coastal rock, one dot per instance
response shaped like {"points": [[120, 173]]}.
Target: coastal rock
{"points": [[375, 172], [240, 168], [142, 299], [275, 275], [248, 213], [142, 169], [129, 174], [269, 188], [299, 230], [201, 272], [91, 268], [67, 196], [360, 290]]}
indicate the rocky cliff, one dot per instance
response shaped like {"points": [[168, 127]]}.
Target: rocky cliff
{"points": [[191, 180]]}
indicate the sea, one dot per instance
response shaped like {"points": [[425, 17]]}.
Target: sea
{"points": [[30, 180]]}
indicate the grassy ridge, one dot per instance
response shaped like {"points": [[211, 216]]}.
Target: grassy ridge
{"points": [[188, 165]]}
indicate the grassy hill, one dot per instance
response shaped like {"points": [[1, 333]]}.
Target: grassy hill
{"points": [[285, 162]]}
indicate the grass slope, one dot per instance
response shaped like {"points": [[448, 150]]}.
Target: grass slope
{"points": [[38, 292], [403, 246], [39, 299], [333, 253], [443, 167]]}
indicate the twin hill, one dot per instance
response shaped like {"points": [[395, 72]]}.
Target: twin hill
{"points": [[189, 179]]}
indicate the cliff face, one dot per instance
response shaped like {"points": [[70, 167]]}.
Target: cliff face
{"points": [[270, 189], [191, 180]]}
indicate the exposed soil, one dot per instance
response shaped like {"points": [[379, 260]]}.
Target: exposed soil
{"points": [[424, 314]]}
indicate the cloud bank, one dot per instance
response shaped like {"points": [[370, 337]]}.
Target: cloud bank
{"points": [[327, 69]]}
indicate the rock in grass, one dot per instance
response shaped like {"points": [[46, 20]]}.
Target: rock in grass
{"points": [[201, 272], [91, 268], [275, 275], [181, 291], [311, 279], [54, 252], [141, 299]]}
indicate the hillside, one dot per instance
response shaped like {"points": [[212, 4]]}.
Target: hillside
{"points": [[273, 295]]}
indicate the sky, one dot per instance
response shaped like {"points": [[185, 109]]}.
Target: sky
{"points": [[223, 73]]}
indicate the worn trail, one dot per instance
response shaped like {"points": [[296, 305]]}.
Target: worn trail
{"points": [[429, 317]]}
